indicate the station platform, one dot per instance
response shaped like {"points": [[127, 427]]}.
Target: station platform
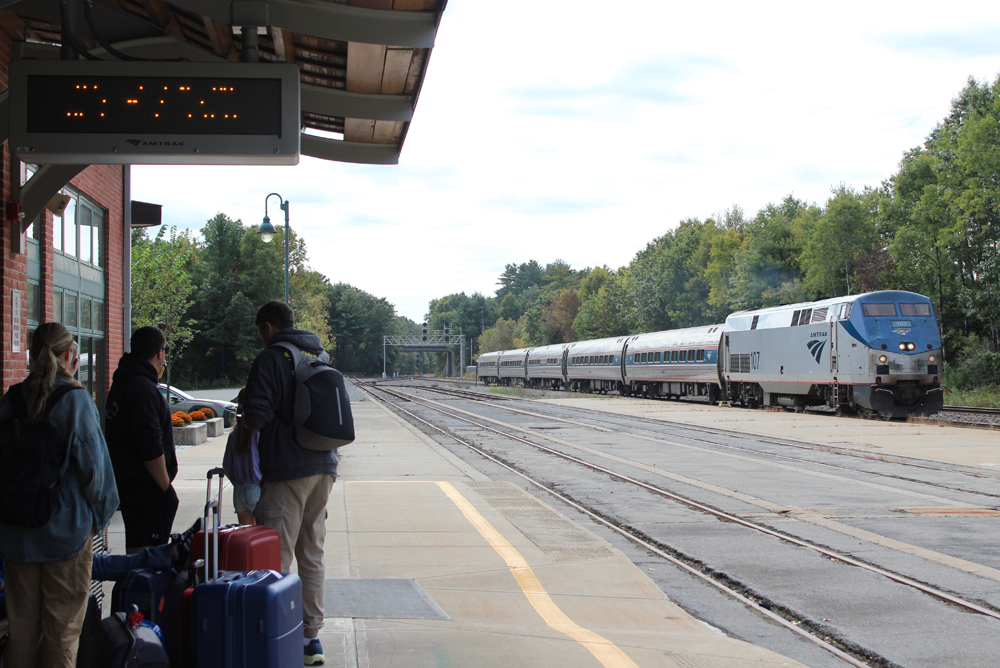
{"points": [[923, 439], [431, 563]]}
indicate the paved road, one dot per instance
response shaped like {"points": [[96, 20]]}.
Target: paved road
{"points": [[937, 526]]}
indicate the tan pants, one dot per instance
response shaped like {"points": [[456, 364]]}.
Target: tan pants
{"points": [[296, 509], [46, 604]]}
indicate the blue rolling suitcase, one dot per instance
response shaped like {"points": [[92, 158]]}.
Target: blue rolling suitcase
{"points": [[251, 620], [245, 619], [158, 596]]}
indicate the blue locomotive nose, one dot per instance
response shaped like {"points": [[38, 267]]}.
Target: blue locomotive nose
{"points": [[901, 325]]}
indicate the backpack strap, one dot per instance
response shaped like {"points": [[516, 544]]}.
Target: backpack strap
{"points": [[57, 393], [19, 406], [293, 349]]}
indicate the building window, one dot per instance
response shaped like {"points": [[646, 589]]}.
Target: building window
{"points": [[34, 304]]}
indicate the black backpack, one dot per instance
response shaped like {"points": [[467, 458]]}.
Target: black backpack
{"points": [[322, 418], [32, 455]]}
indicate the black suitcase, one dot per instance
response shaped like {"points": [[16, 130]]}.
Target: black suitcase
{"points": [[158, 595]]}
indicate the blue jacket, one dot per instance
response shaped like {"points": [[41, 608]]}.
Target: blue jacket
{"points": [[88, 496], [268, 401]]}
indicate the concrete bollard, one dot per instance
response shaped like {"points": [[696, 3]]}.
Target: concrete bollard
{"points": [[216, 427], [195, 433]]}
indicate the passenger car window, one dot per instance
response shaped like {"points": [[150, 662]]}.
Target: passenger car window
{"points": [[874, 310], [701, 355], [673, 356], [915, 309], [753, 325], [795, 319], [682, 355], [691, 355], [804, 317]]}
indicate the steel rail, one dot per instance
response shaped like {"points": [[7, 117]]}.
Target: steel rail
{"points": [[475, 396], [971, 410], [831, 554], [750, 603]]}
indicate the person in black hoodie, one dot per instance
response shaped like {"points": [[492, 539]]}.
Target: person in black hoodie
{"points": [[141, 442], [295, 482]]}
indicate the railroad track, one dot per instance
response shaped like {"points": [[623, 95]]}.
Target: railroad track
{"points": [[971, 410], [819, 636], [963, 410], [615, 419]]}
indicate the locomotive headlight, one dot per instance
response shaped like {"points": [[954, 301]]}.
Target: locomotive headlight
{"points": [[932, 358], [911, 346], [884, 359], [902, 346]]}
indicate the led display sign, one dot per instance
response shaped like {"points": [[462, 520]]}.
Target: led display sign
{"points": [[74, 112]]}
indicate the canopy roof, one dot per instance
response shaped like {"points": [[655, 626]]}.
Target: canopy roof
{"points": [[362, 62]]}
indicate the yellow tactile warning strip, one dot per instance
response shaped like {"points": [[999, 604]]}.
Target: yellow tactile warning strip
{"points": [[609, 654]]}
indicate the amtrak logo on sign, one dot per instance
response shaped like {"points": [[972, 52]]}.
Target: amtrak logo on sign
{"points": [[816, 348]]}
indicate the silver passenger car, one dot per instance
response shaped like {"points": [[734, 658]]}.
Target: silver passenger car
{"points": [[675, 363], [547, 366]]}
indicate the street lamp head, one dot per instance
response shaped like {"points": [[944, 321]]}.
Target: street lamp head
{"points": [[266, 230]]}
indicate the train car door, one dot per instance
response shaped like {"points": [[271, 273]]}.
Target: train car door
{"points": [[834, 349], [624, 368], [565, 365]]}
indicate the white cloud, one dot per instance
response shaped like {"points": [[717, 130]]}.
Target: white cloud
{"points": [[582, 130]]}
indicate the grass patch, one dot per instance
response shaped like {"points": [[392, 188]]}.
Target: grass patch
{"points": [[982, 397]]}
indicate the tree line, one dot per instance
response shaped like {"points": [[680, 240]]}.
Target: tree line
{"points": [[931, 227], [204, 294]]}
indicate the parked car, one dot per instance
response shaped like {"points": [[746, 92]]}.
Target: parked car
{"points": [[180, 400]]}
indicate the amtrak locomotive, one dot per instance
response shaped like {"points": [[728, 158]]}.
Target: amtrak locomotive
{"points": [[880, 351]]}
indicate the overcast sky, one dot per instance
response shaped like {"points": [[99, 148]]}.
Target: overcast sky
{"points": [[582, 130]]}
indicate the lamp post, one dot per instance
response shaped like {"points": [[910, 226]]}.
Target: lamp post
{"points": [[267, 232]]}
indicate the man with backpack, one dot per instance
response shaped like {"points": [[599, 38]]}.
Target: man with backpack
{"points": [[300, 407]]}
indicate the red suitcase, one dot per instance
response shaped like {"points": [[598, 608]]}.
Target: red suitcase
{"points": [[241, 548]]}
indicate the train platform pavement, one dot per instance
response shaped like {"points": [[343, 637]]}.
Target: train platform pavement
{"points": [[431, 563], [922, 439]]}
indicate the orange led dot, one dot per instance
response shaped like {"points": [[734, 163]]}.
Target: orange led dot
{"points": [[161, 101], [164, 88], [227, 115], [68, 114], [157, 115], [95, 87], [104, 101], [102, 114], [213, 87], [189, 115], [234, 115], [203, 101], [78, 86], [206, 115], [213, 115], [140, 87]]}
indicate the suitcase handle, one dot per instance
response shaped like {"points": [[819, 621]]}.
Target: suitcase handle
{"points": [[213, 507]]}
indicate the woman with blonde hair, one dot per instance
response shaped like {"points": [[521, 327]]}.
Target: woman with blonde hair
{"points": [[48, 567]]}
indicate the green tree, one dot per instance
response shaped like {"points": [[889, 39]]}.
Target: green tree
{"points": [[844, 233], [162, 286]]}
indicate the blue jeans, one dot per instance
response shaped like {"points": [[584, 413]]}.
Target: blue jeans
{"points": [[114, 567]]}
